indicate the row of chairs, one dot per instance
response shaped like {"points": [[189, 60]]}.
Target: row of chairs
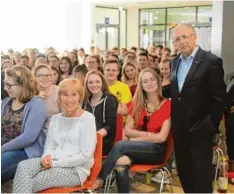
{"points": [[98, 157]]}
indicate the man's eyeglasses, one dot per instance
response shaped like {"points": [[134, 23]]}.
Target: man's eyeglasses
{"points": [[145, 121], [184, 37], [43, 76], [8, 86]]}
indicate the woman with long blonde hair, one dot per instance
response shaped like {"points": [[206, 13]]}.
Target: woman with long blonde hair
{"points": [[147, 127], [130, 75]]}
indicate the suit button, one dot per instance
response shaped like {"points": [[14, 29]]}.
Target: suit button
{"points": [[179, 98]]}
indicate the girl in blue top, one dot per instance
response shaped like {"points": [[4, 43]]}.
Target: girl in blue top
{"points": [[23, 118]]}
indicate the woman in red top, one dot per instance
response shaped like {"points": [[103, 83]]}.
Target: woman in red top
{"points": [[147, 127], [130, 76]]}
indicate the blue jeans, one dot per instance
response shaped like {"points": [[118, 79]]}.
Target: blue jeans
{"points": [[138, 152], [9, 163]]}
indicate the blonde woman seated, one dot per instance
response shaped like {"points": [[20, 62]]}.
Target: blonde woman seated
{"points": [[148, 125], [69, 150]]}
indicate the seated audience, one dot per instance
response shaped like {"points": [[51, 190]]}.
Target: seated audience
{"points": [[6, 64], [165, 72], [24, 60], [92, 62], [102, 105], [65, 67], [142, 61], [16, 57], [147, 127], [55, 75], [120, 90], [69, 149], [47, 91], [130, 56], [79, 72], [74, 58], [130, 76], [23, 118], [166, 54], [53, 60]]}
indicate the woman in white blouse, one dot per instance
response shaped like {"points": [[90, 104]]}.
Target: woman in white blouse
{"points": [[69, 149]]}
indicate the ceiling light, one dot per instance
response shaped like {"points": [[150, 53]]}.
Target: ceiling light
{"points": [[170, 13], [155, 17]]}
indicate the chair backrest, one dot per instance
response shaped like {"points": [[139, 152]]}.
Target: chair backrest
{"points": [[170, 147], [119, 128], [97, 160]]}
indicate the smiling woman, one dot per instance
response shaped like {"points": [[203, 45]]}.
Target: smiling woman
{"points": [[23, 117], [69, 149], [47, 91], [102, 105]]}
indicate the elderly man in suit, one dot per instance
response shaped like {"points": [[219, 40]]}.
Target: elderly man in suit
{"points": [[198, 95]]}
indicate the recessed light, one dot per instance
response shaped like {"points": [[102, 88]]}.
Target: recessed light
{"points": [[155, 17], [170, 13]]}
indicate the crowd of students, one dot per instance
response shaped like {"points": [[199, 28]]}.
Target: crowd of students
{"points": [[54, 103]]}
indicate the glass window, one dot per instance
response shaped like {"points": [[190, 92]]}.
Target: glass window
{"points": [[152, 16], [152, 35], [106, 16], [204, 14], [181, 15]]}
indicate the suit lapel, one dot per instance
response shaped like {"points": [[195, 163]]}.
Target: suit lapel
{"points": [[196, 62], [174, 75]]}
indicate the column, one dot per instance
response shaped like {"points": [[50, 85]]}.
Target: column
{"points": [[222, 39]]}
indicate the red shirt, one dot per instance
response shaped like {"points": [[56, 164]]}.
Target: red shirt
{"points": [[155, 120], [133, 89]]}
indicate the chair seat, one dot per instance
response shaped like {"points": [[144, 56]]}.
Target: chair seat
{"points": [[144, 168], [230, 174]]}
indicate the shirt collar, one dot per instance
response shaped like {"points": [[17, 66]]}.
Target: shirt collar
{"points": [[192, 54]]}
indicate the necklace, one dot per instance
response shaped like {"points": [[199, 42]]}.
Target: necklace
{"points": [[151, 110]]}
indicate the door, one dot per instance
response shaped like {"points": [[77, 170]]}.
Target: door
{"points": [[107, 37]]}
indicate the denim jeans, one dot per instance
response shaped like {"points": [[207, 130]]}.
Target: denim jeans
{"points": [[138, 152], [9, 163]]}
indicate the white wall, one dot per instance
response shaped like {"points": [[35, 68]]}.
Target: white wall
{"points": [[63, 24], [222, 39], [133, 27]]}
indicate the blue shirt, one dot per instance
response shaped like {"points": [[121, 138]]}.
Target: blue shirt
{"points": [[184, 66]]}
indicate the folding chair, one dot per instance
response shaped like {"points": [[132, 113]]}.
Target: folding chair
{"points": [[217, 153], [92, 177], [151, 168]]}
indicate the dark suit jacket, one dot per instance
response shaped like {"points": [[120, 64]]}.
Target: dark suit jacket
{"points": [[197, 110]]}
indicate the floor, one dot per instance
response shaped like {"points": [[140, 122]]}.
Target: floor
{"points": [[137, 186]]}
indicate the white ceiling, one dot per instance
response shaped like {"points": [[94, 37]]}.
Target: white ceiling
{"points": [[149, 3]]}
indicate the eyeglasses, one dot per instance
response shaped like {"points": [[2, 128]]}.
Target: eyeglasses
{"points": [[8, 86], [145, 121], [184, 37], [43, 76]]}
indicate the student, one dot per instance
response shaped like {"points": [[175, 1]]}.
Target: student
{"points": [[55, 75], [69, 150], [120, 90], [102, 105], [23, 118], [47, 91], [147, 127], [130, 76], [165, 72], [65, 67]]}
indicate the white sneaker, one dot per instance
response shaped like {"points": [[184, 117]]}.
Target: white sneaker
{"points": [[158, 177]]}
